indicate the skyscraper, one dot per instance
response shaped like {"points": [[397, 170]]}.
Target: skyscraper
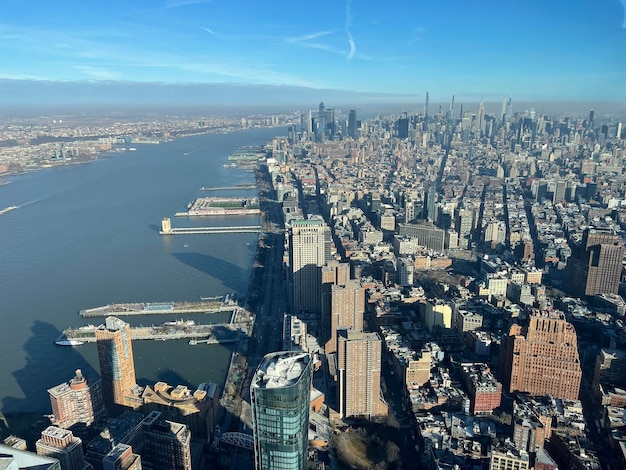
{"points": [[542, 358], [62, 445], [167, 445], [359, 365], [352, 124], [321, 122], [347, 309], [117, 366], [595, 267], [403, 127], [309, 251], [280, 394], [79, 401], [428, 212]]}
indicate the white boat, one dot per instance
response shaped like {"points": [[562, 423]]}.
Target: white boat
{"points": [[68, 342]]}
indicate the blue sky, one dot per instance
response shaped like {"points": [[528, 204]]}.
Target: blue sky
{"points": [[530, 49]]}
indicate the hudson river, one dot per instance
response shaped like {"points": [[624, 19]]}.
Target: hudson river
{"points": [[87, 235]]}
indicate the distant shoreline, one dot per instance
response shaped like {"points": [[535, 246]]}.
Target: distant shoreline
{"points": [[113, 151]]}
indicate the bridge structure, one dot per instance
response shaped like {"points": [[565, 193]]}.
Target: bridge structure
{"points": [[237, 439]]}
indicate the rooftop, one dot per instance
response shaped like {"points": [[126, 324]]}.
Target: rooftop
{"points": [[280, 369]]}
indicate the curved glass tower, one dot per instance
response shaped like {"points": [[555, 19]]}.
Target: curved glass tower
{"points": [[280, 394]]}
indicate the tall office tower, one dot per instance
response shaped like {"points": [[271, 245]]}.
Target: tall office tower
{"points": [[329, 117], [503, 110], [309, 251], [167, 445], [452, 107], [464, 225], [352, 124], [619, 130], [426, 108], [480, 117], [61, 444], [430, 198], [79, 401], [321, 121], [590, 122], [542, 358], [347, 309], [117, 366], [359, 363], [403, 127], [509, 109], [280, 395], [121, 457], [595, 267]]}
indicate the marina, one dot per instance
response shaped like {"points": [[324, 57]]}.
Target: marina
{"points": [[211, 305], [221, 333]]}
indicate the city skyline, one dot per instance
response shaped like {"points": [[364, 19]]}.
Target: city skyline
{"points": [[531, 50]]}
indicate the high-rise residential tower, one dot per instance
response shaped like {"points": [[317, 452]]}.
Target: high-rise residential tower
{"points": [[280, 395], [117, 366], [309, 251], [79, 401], [359, 366], [596, 266], [347, 309], [542, 358]]}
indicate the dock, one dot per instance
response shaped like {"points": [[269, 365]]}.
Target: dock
{"points": [[209, 230], [161, 308], [228, 188], [220, 333]]}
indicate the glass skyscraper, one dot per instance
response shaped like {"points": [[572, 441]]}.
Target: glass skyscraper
{"points": [[280, 394]]}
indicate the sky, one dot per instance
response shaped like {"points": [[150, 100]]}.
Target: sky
{"points": [[549, 50]]}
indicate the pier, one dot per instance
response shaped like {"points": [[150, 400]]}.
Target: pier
{"points": [[220, 333], [161, 308], [228, 188], [207, 230]]}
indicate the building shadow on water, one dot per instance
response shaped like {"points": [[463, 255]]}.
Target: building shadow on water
{"points": [[154, 227], [228, 273], [34, 379]]}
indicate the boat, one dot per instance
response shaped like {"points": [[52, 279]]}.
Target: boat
{"points": [[8, 209], [68, 342]]}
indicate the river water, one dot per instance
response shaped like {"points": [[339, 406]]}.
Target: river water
{"points": [[87, 235]]}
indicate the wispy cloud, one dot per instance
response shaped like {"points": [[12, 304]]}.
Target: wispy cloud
{"points": [[307, 37], [97, 73], [348, 25], [210, 31], [182, 3]]}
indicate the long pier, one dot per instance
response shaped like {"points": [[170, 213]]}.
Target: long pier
{"points": [[228, 188], [162, 308], [209, 230], [211, 334]]}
